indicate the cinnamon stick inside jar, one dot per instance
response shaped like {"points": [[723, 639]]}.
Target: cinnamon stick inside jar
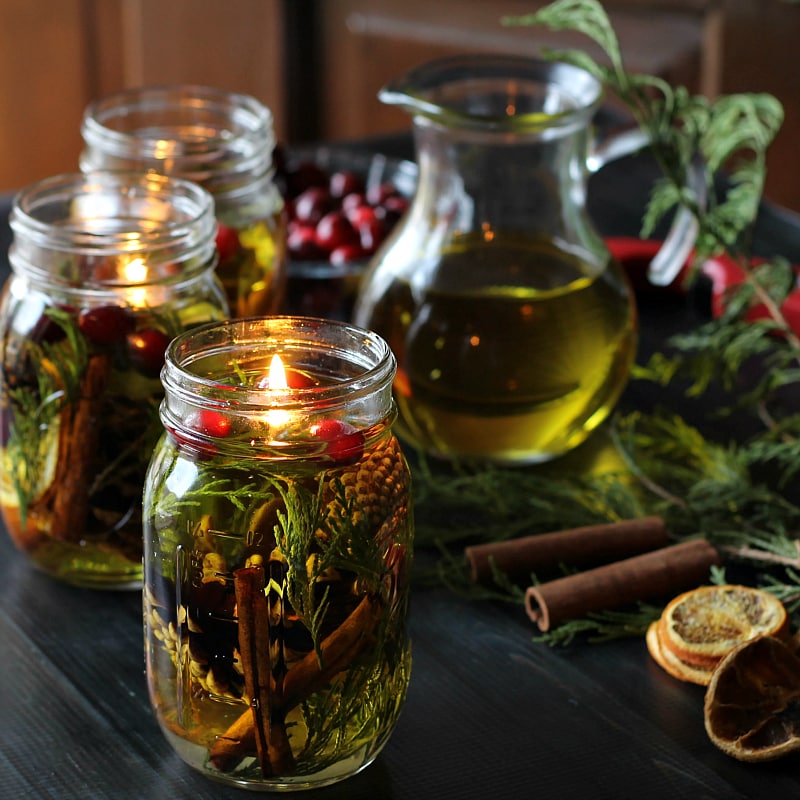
{"points": [[662, 572], [577, 547]]}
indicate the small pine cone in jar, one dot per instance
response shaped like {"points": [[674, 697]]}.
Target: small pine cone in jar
{"points": [[376, 487]]}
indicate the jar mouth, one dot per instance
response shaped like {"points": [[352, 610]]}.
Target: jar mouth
{"points": [[194, 132], [68, 222], [497, 93], [222, 363]]}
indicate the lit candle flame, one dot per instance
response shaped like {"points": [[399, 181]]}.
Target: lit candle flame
{"points": [[276, 385], [135, 271]]}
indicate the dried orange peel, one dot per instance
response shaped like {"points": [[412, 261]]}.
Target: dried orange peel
{"points": [[752, 701], [698, 628], [671, 663]]}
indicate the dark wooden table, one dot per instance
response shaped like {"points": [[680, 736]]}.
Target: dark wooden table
{"points": [[491, 713]]}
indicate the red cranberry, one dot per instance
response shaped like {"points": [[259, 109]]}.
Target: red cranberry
{"points": [[210, 422], [377, 195], [191, 448], [358, 215], [146, 350], [345, 182], [344, 443], [105, 325], [312, 205], [372, 234], [334, 230], [346, 254], [47, 329], [353, 200], [393, 208], [298, 380], [301, 242], [227, 242], [304, 176]]}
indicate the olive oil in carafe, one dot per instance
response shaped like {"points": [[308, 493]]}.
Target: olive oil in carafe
{"points": [[518, 370]]}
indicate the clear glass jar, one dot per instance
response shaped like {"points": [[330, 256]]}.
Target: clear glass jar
{"points": [[222, 140], [513, 328], [106, 270], [278, 545]]}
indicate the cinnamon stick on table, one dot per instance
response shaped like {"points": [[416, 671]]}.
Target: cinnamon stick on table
{"points": [[660, 573], [576, 547]]}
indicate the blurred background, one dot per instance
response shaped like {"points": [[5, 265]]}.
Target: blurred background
{"points": [[318, 64]]}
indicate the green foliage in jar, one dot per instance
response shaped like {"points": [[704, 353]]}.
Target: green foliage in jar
{"points": [[81, 392], [334, 548]]}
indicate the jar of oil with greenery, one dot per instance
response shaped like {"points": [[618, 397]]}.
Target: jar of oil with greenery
{"points": [[278, 545], [106, 270], [513, 328]]}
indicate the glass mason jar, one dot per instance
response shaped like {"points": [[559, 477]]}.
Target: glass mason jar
{"points": [[278, 545], [513, 328], [222, 140], [106, 270]]}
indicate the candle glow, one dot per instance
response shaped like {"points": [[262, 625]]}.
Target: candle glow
{"points": [[276, 385], [135, 271]]}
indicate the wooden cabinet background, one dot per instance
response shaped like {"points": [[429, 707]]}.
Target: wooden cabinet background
{"points": [[318, 64], [57, 55]]}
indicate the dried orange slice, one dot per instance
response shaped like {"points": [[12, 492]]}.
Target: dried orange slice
{"points": [[703, 625], [751, 703], [670, 663]]}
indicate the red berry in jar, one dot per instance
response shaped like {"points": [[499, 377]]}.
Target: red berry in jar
{"points": [[347, 253], [146, 349], [47, 329], [298, 380], [345, 182], [344, 443], [227, 242], [335, 230], [360, 214], [210, 422], [372, 233], [312, 205], [393, 208], [305, 175], [301, 242], [105, 325], [377, 195]]}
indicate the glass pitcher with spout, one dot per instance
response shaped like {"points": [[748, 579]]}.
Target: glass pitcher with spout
{"points": [[513, 328]]}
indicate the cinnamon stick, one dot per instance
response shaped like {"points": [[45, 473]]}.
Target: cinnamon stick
{"points": [[575, 547], [77, 451], [662, 572], [307, 676], [272, 742]]}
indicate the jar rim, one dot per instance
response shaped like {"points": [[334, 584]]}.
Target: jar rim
{"points": [[111, 213], [363, 349], [192, 131], [488, 92]]}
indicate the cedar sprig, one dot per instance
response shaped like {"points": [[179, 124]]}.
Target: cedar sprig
{"points": [[687, 133]]}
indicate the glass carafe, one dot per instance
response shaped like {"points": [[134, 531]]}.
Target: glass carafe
{"points": [[513, 328]]}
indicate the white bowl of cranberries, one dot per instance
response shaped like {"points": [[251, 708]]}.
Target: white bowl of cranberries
{"points": [[341, 206]]}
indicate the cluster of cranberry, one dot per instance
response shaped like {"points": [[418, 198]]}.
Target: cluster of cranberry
{"points": [[107, 326], [333, 215]]}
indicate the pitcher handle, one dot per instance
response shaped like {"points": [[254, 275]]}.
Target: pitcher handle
{"points": [[679, 242]]}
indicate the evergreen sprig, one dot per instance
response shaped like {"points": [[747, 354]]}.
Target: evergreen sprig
{"points": [[732, 132]]}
